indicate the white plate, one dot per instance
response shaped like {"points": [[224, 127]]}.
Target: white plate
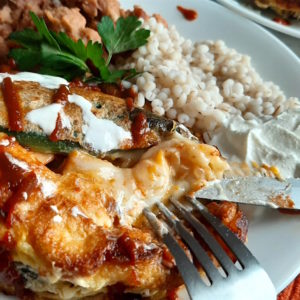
{"points": [[264, 17], [273, 238], [274, 60]]}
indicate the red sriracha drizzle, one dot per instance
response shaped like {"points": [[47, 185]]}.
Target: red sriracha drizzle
{"points": [[281, 21], [139, 127], [13, 104]]}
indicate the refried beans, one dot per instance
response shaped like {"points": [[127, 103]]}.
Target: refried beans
{"points": [[78, 18]]}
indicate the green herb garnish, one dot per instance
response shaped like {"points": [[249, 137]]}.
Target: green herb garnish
{"points": [[122, 38], [57, 54]]}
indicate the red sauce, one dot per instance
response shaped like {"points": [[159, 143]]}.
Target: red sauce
{"points": [[129, 95], [13, 174], [7, 242], [129, 250], [13, 104], [21, 193], [18, 183], [168, 259], [118, 90], [110, 89], [129, 103], [172, 294], [78, 83], [9, 276], [189, 14], [139, 127], [128, 92], [55, 135], [281, 21], [12, 63], [9, 67], [61, 95]]}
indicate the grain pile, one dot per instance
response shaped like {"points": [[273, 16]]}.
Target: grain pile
{"points": [[201, 84]]}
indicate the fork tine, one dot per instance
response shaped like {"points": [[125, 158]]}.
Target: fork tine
{"points": [[244, 256], [215, 247], [189, 273], [211, 271]]}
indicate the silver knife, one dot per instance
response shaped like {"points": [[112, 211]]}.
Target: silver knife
{"points": [[254, 190]]}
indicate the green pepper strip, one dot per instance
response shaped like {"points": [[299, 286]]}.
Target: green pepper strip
{"points": [[41, 143]]}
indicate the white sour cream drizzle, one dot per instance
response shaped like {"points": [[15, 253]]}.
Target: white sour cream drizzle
{"points": [[275, 142], [45, 117], [47, 81], [102, 135]]}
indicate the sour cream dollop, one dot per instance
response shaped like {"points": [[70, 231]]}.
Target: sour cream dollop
{"points": [[275, 142]]}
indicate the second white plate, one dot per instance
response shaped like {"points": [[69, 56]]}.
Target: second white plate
{"points": [[264, 17]]}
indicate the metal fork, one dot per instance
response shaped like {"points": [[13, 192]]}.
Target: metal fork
{"points": [[227, 282]]}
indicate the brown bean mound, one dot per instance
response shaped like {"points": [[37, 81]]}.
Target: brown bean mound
{"points": [[78, 18]]}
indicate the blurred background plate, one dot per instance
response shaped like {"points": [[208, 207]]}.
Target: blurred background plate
{"points": [[264, 17]]}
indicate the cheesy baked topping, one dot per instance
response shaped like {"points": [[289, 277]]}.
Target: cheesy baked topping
{"points": [[77, 232]]}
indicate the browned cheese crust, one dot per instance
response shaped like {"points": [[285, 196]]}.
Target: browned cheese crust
{"points": [[75, 244]]}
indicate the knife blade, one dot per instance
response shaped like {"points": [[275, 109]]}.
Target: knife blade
{"points": [[254, 190]]}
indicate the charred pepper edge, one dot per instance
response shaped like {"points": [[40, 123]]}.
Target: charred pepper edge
{"points": [[41, 143]]}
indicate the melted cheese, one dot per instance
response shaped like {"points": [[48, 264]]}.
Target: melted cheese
{"points": [[69, 220], [174, 167]]}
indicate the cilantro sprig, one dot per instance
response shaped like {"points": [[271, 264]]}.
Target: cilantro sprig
{"points": [[51, 53]]}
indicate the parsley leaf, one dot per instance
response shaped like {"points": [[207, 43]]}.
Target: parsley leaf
{"points": [[26, 59], [28, 38], [47, 52], [43, 30], [67, 44], [58, 62], [95, 54], [126, 36]]}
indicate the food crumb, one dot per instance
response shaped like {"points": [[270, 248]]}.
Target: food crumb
{"points": [[188, 14]]}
